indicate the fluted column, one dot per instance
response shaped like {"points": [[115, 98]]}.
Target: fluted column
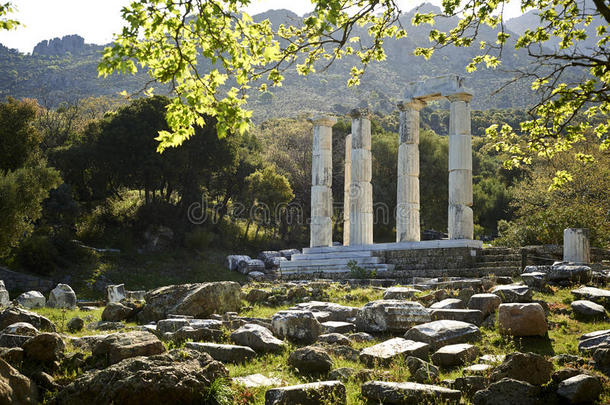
{"points": [[576, 246], [346, 186], [407, 190], [321, 182], [461, 223], [361, 190]]}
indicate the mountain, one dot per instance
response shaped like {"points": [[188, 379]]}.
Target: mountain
{"points": [[65, 69]]}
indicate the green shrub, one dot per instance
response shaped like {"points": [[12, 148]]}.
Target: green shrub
{"points": [[198, 239], [356, 271], [37, 254]]}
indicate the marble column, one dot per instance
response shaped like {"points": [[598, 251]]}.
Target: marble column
{"points": [[407, 190], [576, 246], [361, 189], [346, 185], [321, 182], [461, 225]]}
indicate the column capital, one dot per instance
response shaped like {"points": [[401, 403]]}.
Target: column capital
{"points": [[459, 97], [413, 104], [323, 120], [360, 113]]}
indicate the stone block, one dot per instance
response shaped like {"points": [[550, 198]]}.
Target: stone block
{"points": [[408, 159], [460, 187]]}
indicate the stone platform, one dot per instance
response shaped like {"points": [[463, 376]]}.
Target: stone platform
{"points": [[403, 260]]}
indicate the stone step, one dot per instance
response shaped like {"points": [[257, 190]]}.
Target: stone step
{"points": [[333, 255], [329, 262], [514, 270], [334, 269], [425, 244], [500, 264], [495, 258], [500, 251]]}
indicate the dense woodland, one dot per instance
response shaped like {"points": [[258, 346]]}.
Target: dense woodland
{"points": [[89, 173]]}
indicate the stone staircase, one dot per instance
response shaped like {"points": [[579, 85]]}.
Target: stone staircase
{"points": [[331, 263], [499, 261]]}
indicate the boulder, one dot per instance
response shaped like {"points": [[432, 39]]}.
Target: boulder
{"points": [[486, 303], [334, 339], [197, 334], [16, 388], [522, 320], [13, 315], [455, 355], [601, 357], [197, 300], [5, 299], [338, 313], [597, 295], [422, 371], [535, 280], [310, 360], [257, 337], [390, 316], [338, 327], [296, 325], [44, 348], [223, 353], [115, 293], [177, 377], [20, 328], [580, 389], [75, 324], [400, 293], [528, 367], [32, 299], [119, 346], [361, 337], [569, 272], [508, 392], [11, 341], [564, 373], [342, 374], [257, 295], [408, 393], [592, 341], [448, 303], [513, 293], [62, 296], [384, 353], [171, 325], [441, 333], [469, 384], [116, 312], [473, 316], [317, 393], [585, 309]]}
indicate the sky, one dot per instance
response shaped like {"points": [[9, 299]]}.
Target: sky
{"points": [[97, 21]]}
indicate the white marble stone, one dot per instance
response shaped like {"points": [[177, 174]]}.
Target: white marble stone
{"points": [[460, 152], [346, 188], [361, 190], [461, 222], [461, 192], [576, 246]]}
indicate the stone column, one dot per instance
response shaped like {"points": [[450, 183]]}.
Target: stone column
{"points": [[407, 190], [461, 225], [346, 186], [361, 190], [576, 246], [321, 182]]}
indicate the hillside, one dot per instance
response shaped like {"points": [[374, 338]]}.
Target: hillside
{"points": [[65, 69]]}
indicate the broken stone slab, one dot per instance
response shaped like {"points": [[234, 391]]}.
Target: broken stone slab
{"points": [[116, 312], [5, 299], [13, 340], [522, 319], [310, 360], [508, 391], [580, 389], [478, 369], [597, 295], [422, 371], [390, 316], [317, 393], [335, 339], [445, 332], [337, 312], [32, 299], [119, 346], [257, 337], [588, 309], [13, 315], [384, 353], [223, 353], [455, 355], [400, 293], [473, 316], [62, 296], [536, 280], [569, 272], [486, 303], [408, 393], [448, 303], [257, 380], [530, 367], [115, 293], [338, 327], [513, 293], [21, 328], [171, 325], [469, 384], [594, 340], [296, 325]]}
